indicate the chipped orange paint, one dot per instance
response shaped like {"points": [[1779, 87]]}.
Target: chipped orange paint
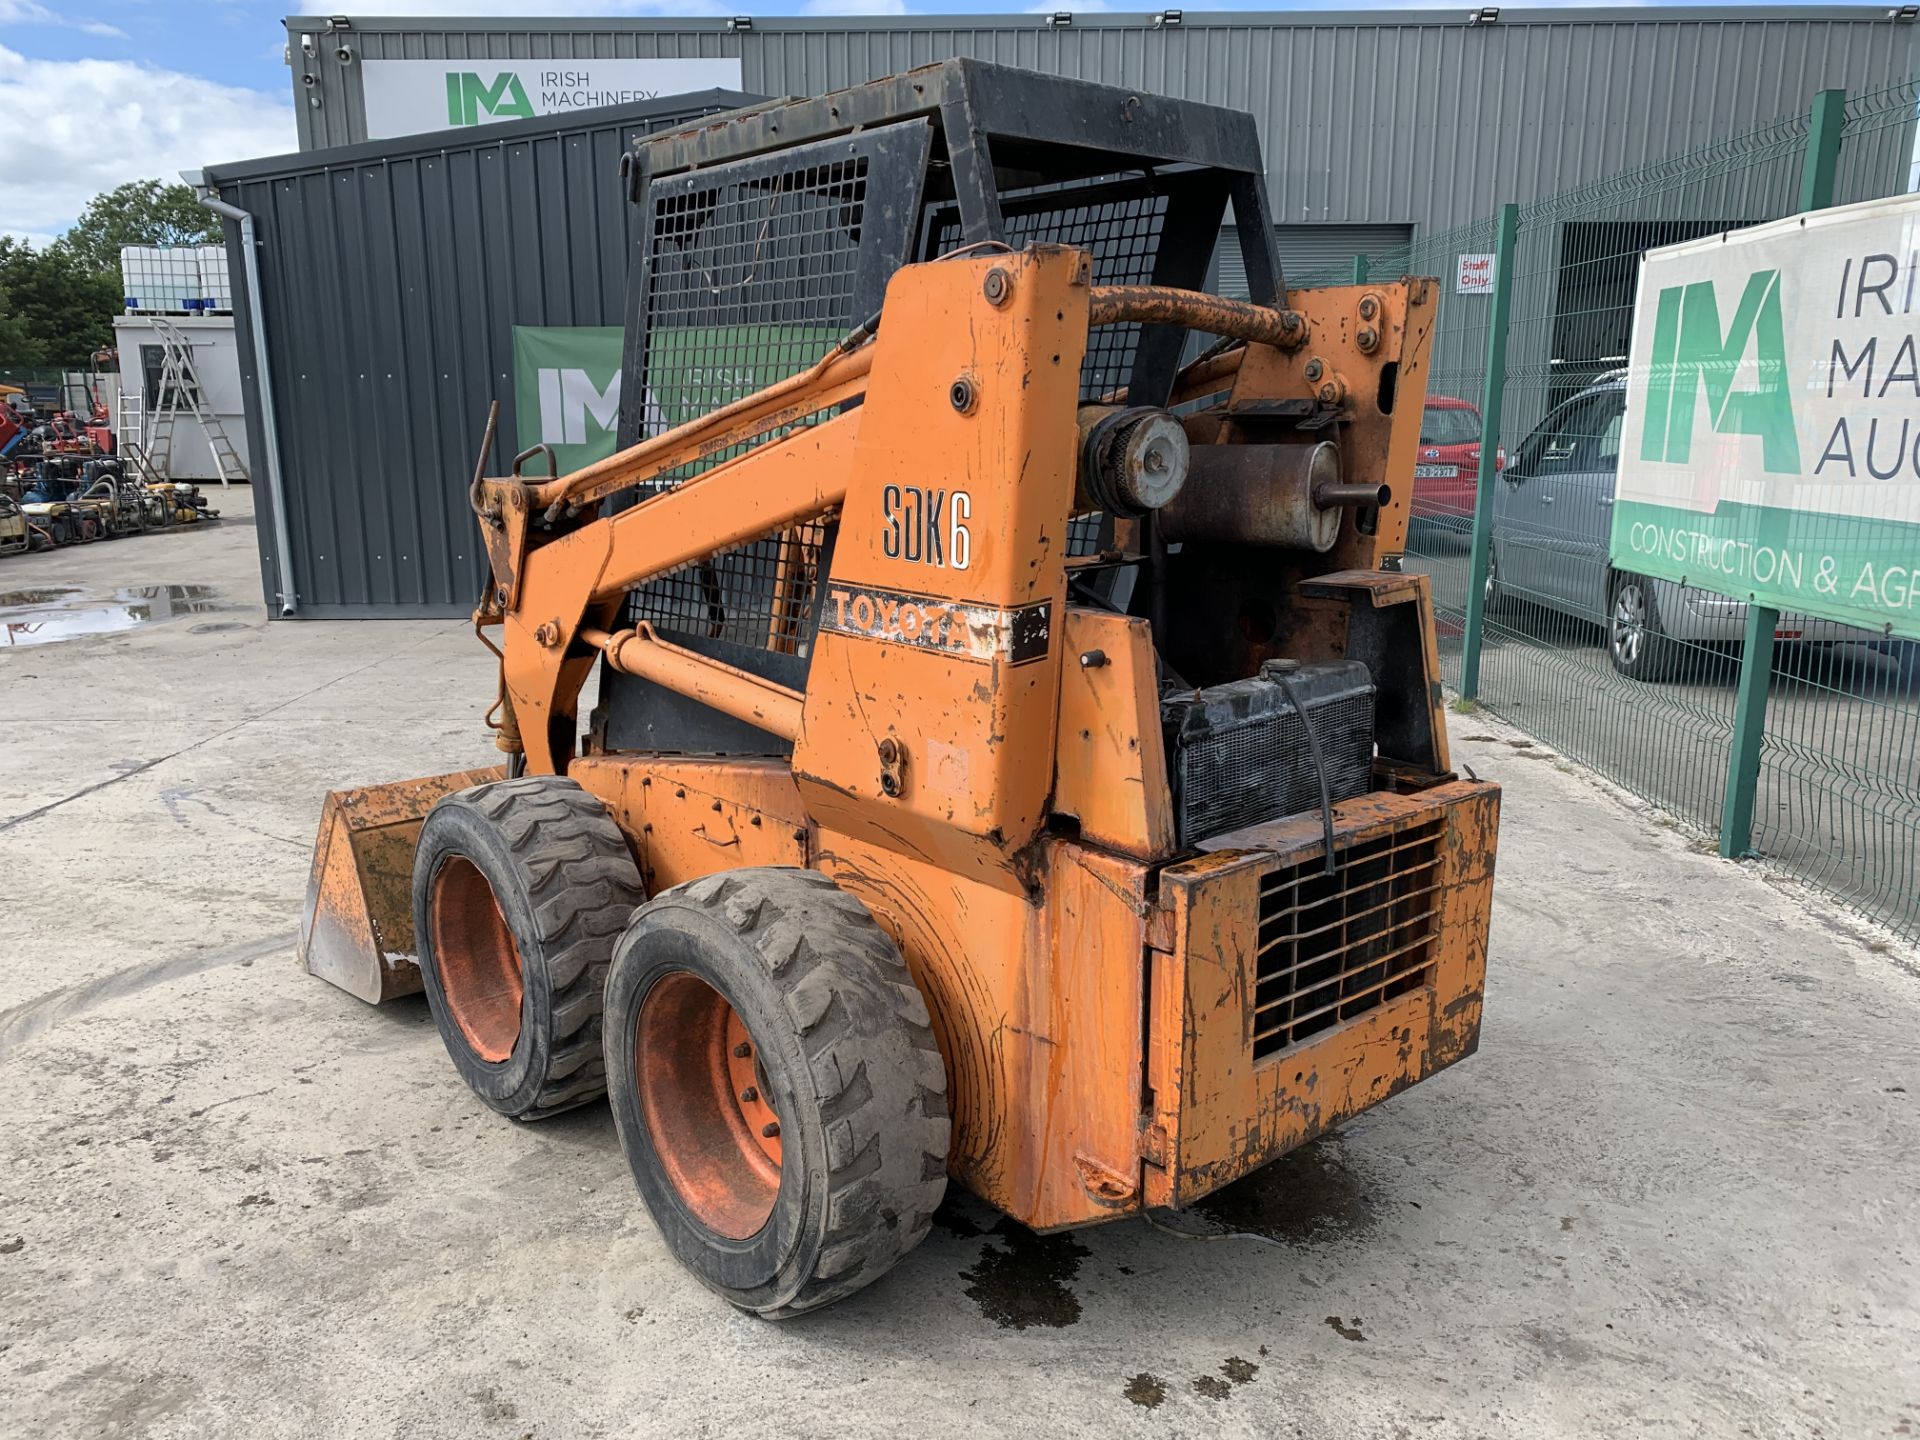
{"points": [[1223, 1113], [976, 736], [688, 816], [1373, 452], [1111, 773], [1037, 1009]]}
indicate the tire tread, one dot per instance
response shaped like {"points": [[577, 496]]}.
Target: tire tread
{"points": [[584, 887], [857, 1014]]}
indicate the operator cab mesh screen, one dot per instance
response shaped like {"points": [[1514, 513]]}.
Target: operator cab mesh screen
{"points": [[751, 278], [1122, 235]]}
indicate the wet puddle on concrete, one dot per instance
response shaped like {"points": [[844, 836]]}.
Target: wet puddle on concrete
{"points": [[1022, 1280], [66, 612], [1307, 1196]]}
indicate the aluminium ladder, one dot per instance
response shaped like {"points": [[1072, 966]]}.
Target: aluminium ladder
{"points": [[180, 389]]}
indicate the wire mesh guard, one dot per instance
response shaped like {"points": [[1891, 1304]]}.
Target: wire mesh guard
{"points": [[750, 280], [1122, 236]]}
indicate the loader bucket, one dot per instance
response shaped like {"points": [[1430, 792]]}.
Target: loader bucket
{"points": [[357, 929]]}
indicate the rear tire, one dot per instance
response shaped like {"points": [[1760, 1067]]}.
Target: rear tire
{"points": [[520, 889], [770, 997], [1637, 641], [1492, 598]]}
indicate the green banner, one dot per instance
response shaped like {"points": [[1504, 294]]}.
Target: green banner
{"points": [[1771, 446], [567, 378], [566, 390], [1838, 567], [693, 371]]}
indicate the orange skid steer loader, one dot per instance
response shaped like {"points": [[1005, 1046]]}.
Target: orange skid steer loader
{"points": [[1019, 756]]}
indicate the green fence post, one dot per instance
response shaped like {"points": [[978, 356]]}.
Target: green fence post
{"points": [[1491, 395], [1359, 269], [1827, 118]]}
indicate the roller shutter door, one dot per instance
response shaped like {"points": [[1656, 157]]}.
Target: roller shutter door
{"points": [[1309, 254]]}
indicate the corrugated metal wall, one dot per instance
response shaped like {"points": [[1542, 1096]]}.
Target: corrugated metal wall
{"points": [[1400, 118], [391, 277]]}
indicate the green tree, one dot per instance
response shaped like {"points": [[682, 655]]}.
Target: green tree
{"points": [[140, 212], [19, 346], [55, 308]]}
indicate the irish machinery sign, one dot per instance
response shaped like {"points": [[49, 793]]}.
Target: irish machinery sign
{"points": [[1772, 442], [404, 97]]}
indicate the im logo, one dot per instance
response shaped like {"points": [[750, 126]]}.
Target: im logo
{"points": [[1691, 353], [468, 95]]}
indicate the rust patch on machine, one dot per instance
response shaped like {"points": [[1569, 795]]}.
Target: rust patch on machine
{"points": [[1281, 1019]]}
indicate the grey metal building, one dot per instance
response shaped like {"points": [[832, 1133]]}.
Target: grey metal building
{"points": [[395, 269], [392, 278], [1383, 119]]}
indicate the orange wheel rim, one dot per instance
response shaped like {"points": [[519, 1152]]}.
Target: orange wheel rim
{"points": [[479, 965], [703, 1096]]}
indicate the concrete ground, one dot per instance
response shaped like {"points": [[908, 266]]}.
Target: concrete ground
{"points": [[1673, 1194]]}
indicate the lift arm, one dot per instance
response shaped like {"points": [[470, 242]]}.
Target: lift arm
{"points": [[558, 597]]}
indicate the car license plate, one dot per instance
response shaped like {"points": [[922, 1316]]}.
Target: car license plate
{"points": [[1436, 472]]}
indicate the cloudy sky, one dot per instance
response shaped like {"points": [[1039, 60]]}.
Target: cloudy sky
{"points": [[96, 92]]}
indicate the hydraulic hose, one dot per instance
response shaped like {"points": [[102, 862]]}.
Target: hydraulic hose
{"points": [[1212, 314]]}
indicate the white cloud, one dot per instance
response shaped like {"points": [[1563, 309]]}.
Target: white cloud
{"points": [[92, 124]]}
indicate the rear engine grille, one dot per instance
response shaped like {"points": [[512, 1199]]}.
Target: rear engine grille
{"points": [[1333, 947]]}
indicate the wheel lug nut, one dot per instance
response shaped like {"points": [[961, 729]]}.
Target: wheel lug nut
{"points": [[742, 1050], [770, 1129], [749, 1095]]}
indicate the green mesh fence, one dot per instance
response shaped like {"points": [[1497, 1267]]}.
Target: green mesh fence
{"points": [[1638, 677]]}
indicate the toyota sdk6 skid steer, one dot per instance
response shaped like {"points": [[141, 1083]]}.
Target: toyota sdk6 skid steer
{"points": [[1018, 757]]}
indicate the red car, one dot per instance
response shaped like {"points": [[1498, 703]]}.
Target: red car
{"points": [[1447, 464]]}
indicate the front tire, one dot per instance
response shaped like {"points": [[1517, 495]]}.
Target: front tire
{"points": [[776, 1086], [520, 889]]}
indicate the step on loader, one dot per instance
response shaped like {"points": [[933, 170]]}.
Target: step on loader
{"points": [[1019, 757]]}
